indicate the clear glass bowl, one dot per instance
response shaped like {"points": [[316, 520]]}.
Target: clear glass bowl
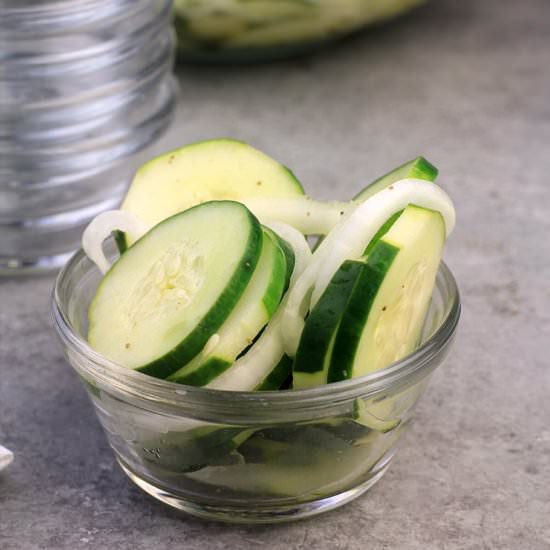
{"points": [[251, 457], [85, 87], [233, 30]]}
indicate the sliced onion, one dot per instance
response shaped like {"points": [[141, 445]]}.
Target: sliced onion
{"points": [[302, 252], [247, 373], [102, 226], [349, 239], [307, 215]]}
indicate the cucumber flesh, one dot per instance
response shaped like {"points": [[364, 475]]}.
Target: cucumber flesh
{"points": [[172, 291], [220, 169], [383, 320], [253, 311]]}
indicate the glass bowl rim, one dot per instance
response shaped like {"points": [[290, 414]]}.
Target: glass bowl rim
{"points": [[151, 389]]}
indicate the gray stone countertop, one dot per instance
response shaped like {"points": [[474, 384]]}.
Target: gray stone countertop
{"points": [[463, 82]]}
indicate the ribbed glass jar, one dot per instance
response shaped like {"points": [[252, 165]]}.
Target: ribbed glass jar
{"points": [[85, 85]]}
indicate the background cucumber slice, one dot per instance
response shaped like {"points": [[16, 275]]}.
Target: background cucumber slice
{"points": [[169, 293], [383, 320], [220, 169], [253, 311]]}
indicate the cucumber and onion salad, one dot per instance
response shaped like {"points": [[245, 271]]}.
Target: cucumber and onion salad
{"points": [[242, 24], [216, 285]]}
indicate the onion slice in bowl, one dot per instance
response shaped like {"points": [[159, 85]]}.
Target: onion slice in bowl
{"points": [[102, 226]]}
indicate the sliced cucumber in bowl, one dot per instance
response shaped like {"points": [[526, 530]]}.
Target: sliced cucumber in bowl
{"points": [[384, 316], [205, 295], [159, 304]]}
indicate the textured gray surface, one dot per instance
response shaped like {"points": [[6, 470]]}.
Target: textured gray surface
{"points": [[467, 84]]}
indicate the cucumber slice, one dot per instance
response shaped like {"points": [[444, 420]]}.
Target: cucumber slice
{"points": [[220, 169], [253, 311], [418, 168], [383, 320], [313, 356], [172, 291]]}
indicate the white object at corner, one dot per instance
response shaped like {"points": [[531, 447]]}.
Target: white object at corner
{"points": [[6, 457]]}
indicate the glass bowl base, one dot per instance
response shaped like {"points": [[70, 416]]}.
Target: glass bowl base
{"points": [[259, 513]]}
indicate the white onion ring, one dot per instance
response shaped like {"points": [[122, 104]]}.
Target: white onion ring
{"points": [[101, 227]]}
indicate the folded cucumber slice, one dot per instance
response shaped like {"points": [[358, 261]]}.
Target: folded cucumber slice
{"points": [[383, 320], [253, 311], [314, 351], [172, 291], [219, 169], [418, 168], [307, 215]]}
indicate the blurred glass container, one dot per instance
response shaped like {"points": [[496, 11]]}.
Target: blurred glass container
{"points": [[85, 85], [252, 30]]}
